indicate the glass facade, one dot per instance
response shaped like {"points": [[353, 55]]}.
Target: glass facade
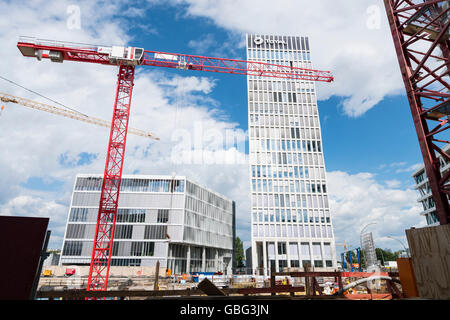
{"points": [[183, 225], [289, 199], [424, 189]]}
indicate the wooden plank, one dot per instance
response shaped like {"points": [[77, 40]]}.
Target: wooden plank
{"points": [[309, 274], [209, 288], [430, 254], [272, 280], [362, 274], [366, 296], [276, 289], [156, 285], [407, 278]]}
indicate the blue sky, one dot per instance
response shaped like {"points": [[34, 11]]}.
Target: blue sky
{"points": [[382, 135], [368, 134]]}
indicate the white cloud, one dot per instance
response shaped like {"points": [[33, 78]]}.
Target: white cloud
{"points": [[411, 168], [359, 199], [33, 142], [350, 38], [183, 85], [394, 183], [202, 45]]}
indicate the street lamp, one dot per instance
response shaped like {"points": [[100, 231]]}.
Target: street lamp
{"points": [[406, 250]]}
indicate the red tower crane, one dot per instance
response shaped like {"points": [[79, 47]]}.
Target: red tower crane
{"points": [[420, 30], [127, 58]]}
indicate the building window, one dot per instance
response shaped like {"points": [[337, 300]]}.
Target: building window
{"points": [[78, 214], [123, 232], [163, 216], [126, 262], [76, 231], [72, 248], [130, 215], [155, 232], [295, 264], [318, 263], [142, 248], [281, 248]]}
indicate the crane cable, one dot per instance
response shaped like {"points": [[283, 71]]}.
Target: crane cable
{"points": [[41, 95]]}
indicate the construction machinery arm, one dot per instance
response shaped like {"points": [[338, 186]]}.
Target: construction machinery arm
{"points": [[4, 97]]}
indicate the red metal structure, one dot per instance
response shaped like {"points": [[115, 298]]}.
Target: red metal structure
{"points": [[420, 30], [127, 58]]}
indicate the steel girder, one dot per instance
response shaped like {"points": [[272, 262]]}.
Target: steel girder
{"points": [[420, 31]]}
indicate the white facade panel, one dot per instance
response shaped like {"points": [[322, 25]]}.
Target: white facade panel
{"points": [[154, 214], [289, 194]]}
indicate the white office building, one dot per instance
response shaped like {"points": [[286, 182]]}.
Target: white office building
{"points": [[184, 226], [290, 218], [424, 189]]}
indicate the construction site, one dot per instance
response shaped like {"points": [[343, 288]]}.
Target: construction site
{"points": [[165, 236]]}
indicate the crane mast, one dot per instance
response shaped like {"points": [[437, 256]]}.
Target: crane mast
{"points": [[127, 58]]}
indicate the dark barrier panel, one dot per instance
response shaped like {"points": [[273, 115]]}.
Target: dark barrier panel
{"points": [[21, 243]]}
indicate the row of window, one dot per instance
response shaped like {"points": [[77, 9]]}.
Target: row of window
{"points": [[133, 185], [305, 249], [284, 175], [75, 248], [276, 56], [282, 264], [283, 120], [269, 85], [266, 185], [283, 109], [123, 215], [292, 230], [202, 222], [277, 133], [207, 196], [311, 159], [299, 172], [281, 215], [207, 238], [282, 97], [285, 145], [206, 209]]}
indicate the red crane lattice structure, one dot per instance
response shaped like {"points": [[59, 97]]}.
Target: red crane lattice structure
{"points": [[420, 30], [127, 58]]}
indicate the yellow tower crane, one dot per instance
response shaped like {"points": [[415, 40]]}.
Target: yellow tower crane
{"points": [[8, 98]]}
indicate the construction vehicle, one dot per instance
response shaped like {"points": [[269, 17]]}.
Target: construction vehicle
{"points": [[127, 58]]}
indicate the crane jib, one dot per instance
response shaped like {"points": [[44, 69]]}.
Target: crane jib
{"points": [[58, 51]]}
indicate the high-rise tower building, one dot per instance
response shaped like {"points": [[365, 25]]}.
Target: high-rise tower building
{"points": [[290, 218]]}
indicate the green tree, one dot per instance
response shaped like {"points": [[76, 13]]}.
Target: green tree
{"points": [[386, 255], [239, 253]]}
